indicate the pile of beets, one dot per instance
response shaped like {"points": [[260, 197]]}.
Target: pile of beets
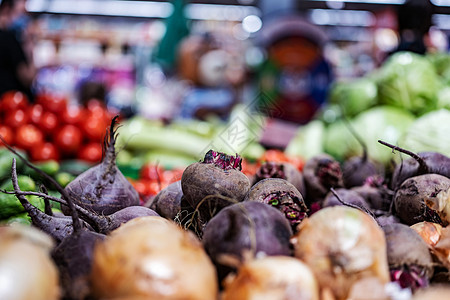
{"points": [[236, 220]]}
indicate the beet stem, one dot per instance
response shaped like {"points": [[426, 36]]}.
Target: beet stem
{"points": [[76, 221], [367, 211], [98, 222], [423, 168], [48, 207]]}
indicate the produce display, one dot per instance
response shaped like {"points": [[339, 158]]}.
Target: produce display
{"points": [[214, 232], [357, 208]]}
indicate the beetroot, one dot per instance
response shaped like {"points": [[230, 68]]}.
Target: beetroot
{"points": [[321, 173], [167, 202], [103, 188], [418, 164], [376, 194], [410, 261], [283, 171], [414, 199], [246, 229], [214, 183], [282, 195], [345, 196]]}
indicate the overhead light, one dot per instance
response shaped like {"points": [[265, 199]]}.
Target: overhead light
{"points": [[360, 18], [145, 9], [394, 2], [220, 12], [251, 23], [149, 9], [441, 2]]}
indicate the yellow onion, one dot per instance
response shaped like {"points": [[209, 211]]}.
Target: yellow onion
{"points": [[272, 278], [342, 245], [152, 258], [26, 268], [438, 292], [429, 231]]}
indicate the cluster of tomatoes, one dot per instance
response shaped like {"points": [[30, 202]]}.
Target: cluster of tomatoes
{"points": [[53, 129], [153, 178]]}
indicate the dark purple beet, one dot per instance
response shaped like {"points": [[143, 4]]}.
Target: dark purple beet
{"points": [[280, 170], [413, 200], [387, 219], [246, 229], [345, 196], [409, 259], [213, 184], [418, 164], [167, 202], [356, 170], [379, 198], [282, 195], [321, 173], [103, 188]]}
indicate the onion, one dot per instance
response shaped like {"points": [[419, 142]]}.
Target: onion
{"points": [[439, 292], [272, 278], [152, 257], [342, 245], [429, 231], [26, 269]]}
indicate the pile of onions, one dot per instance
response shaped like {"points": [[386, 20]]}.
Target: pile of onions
{"points": [[272, 278], [26, 269], [342, 245], [152, 258]]}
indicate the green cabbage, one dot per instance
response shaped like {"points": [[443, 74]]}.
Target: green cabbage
{"points": [[429, 133], [380, 123], [409, 81], [354, 96]]}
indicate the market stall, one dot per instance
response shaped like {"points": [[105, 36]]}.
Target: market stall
{"points": [[229, 149]]}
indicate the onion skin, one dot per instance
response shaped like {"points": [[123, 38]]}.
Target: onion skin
{"points": [[272, 278], [342, 245], [152, 258], [26, 269], [438, 292], [430, 232]]}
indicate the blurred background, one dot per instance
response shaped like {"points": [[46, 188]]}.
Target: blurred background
{"points": [[241, 76]]}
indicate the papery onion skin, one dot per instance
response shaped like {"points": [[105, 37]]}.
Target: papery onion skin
{"points": [[26, 269], [438, 292], [152, 257], [429, 231], [272, 278], [341, 245]]}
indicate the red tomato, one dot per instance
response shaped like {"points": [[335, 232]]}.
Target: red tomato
{"points": [[68, 139], [29, 136], [151, 171], [94, 127], [152, 188], [35, 113], [49, 122], [16, 118], [45, 151], [7, 134], [72, 115], [140, 186], [13, 100], [91, 152], [53, 103]]}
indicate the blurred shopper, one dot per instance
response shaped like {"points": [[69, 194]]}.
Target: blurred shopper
{"points": [[414, 22], [17, 70]]}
